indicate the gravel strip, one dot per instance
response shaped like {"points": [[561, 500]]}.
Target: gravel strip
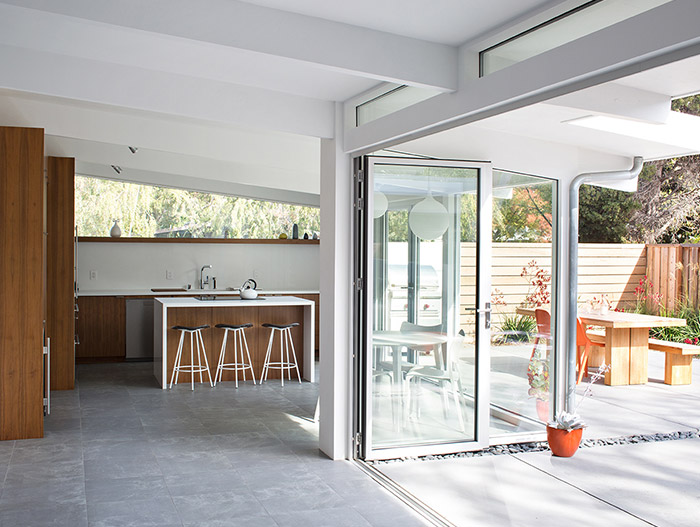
{"points": [[540, 446]]}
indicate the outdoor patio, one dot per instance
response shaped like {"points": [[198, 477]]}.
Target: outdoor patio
{"points": [[643, 482]]}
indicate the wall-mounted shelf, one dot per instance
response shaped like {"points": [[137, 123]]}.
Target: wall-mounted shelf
{"points": [[107, 239]]}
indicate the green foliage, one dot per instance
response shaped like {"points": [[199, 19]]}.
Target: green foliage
{"points": [[526, 217], [515, 328], [690, 334], [143, 210], [604, 214]]}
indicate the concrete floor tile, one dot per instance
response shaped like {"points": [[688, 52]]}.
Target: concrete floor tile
{"points": [[157, 512], [125, 489], [340, 517]]}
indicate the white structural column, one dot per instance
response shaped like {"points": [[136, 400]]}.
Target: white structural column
{"points": [[336, 285]]}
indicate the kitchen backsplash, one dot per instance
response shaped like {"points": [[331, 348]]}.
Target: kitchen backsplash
{"points": [[130, 266]]}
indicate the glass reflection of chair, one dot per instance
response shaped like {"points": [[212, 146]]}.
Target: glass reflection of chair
{"points": [[544, 331], [413, 352], [583, 348], [447, 378]]}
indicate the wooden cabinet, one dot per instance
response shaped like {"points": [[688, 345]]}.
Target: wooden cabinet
{"points": [[101, 329], [21, 282], [60, 320]]}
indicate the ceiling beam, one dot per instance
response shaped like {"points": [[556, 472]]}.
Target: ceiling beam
{"points": [[239, 25], [153, 91], [625, 48]]}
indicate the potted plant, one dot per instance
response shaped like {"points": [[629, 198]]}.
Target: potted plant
{"points": [[565, 432]]}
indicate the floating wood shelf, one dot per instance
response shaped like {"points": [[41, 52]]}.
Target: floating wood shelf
{"points": [[108, 239]]}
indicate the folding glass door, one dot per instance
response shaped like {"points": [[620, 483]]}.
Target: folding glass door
{"points": [[423, 322]]}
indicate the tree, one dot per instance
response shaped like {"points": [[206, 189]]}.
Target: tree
{"points": [[664, 208], [605, 214]]}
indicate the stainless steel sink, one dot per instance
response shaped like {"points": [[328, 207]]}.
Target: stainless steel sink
{"points": [[220, 298]]}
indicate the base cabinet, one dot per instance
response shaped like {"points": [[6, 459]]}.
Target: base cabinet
{"points": [[101, 329]]}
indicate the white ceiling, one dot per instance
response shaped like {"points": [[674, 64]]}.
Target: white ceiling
{"points": [[450, 22], [235, 95]]}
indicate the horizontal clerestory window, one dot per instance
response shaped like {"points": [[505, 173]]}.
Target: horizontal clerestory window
{"points": [[147, 211], [567, 27]]}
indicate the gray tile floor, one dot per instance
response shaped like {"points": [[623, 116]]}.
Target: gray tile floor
{"points": [[118, 451]]}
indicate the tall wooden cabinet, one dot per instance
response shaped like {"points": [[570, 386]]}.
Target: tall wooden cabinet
{"points": [[60, 299], [21, 282]]}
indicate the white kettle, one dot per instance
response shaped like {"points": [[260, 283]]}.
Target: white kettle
{"points": [[247, 290]]}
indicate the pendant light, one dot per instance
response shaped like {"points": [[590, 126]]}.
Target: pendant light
{"points": [[428, 219], [381, 204]]}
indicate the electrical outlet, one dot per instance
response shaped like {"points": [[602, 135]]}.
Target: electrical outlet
{"points": [[93, 274], [168, 274], [256, 275]]}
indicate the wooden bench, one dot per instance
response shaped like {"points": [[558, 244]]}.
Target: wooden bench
{"points": [[679, 360], [679, 357]]}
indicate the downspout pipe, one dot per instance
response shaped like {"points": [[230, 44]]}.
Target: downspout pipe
{"points": [[591, 177]]}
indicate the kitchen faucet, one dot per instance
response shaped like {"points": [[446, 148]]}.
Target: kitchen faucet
{"points": [[202, 281]]}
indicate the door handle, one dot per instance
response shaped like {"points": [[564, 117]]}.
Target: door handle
{"points": [[486, 311], [487, 314]]}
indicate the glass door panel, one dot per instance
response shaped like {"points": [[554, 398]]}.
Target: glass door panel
{"points": [[521, 270], [422, 347]]}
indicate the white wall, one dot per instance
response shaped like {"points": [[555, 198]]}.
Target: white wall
{"points": [[129, 266]]}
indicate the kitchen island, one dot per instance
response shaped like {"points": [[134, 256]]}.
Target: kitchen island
{"points": [[169, 312]]}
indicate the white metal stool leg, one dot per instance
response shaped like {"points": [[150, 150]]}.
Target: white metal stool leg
{"points": [[239, 341], [197, 340], [287, 360]]}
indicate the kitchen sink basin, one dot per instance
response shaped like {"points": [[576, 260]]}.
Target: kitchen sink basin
{"points": [[226, 298]]}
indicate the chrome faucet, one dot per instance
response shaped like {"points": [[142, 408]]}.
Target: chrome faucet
{"points": [[202, 281]]}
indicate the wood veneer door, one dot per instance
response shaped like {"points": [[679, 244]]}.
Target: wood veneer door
{"points": [[21, 282], [60, 322], [101, 328]]}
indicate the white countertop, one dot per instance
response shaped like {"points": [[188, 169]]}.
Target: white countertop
{"points": [[236, 302], [190, 292]]}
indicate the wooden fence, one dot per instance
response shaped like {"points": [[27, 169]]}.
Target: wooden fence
{"points": [[612, 270], [673, 273]]}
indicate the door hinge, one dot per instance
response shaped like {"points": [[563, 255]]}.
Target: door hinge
{"points": [[359, 284], [360, 203], [360, 176], [357, 442]]}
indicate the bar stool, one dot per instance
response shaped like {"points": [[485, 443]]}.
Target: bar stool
{"points": [[238, 339], [285, 331], [195, 333]]}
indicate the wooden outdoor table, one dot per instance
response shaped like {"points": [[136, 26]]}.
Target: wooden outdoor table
{"points": [[626, 342]]}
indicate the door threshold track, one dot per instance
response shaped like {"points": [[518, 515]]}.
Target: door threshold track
{"points": [[427, 513]]}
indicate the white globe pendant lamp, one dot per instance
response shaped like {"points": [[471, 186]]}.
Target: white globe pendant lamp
{"points": [[428, 219], [381, 204]]}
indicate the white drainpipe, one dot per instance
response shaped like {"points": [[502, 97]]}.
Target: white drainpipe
{"points": [[621, 175]]}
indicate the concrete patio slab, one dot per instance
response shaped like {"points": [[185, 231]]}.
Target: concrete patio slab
{"points": [[502, 491], [659, 482]]}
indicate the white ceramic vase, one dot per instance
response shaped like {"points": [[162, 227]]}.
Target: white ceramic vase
{"points": [[115, 231]]}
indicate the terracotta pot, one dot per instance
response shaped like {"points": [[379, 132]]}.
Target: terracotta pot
{"points": [[542, 410], [563, 443]]}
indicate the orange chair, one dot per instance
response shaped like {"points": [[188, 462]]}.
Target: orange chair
{"points": [[544, 331], [582, 341]]}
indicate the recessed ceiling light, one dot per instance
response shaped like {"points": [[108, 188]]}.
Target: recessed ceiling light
{"points": [[117, 169]]}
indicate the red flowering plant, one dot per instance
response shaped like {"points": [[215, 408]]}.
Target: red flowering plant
{"points": [[646, 300], [538, 280]]}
